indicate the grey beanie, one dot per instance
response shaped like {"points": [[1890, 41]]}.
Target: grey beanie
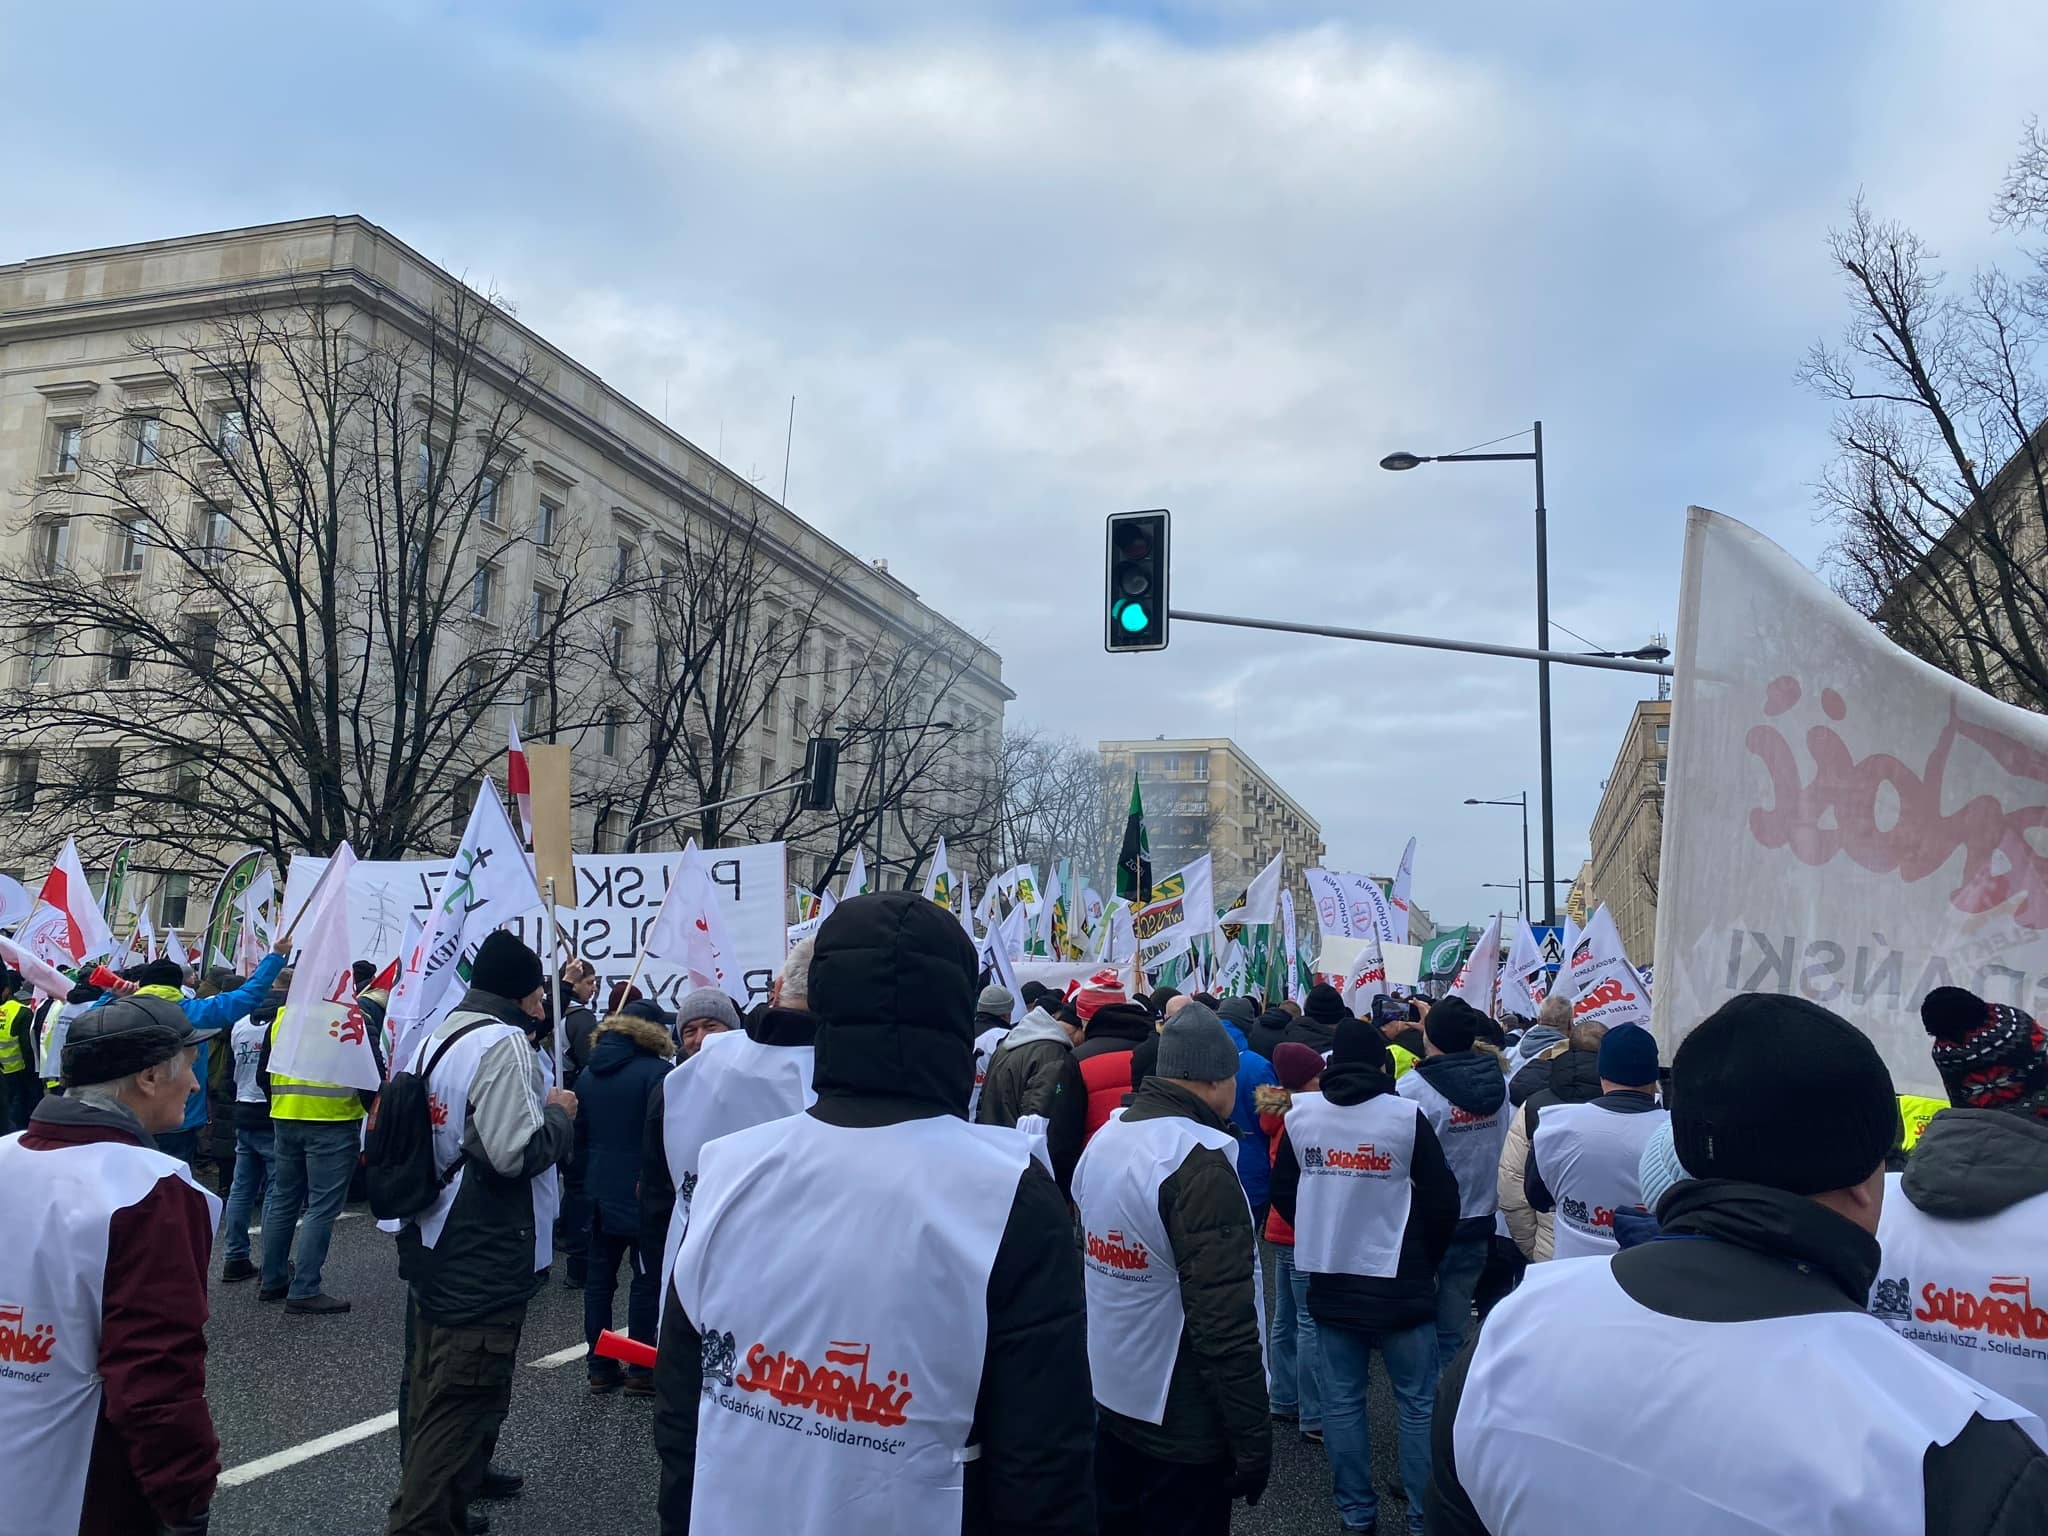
{"points": [[1659, 1167], [996, 1000], [707, 1003], [1195, 1047]]}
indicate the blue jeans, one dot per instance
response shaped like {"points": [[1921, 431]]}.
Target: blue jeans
{"points": [[1456, 1280], [313, 1163], [1297, 1361], [254, 1151], [1410, 1357]]}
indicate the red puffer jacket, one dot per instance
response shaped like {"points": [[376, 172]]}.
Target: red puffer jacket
{"points": [[1104, 1054]]}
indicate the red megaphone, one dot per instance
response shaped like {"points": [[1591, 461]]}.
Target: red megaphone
{"points": [[616, 1346], [103, 978]]}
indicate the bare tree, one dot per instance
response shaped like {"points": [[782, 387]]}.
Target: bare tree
{"points": [[1938, 494], [1055, 804], [265, 598]]}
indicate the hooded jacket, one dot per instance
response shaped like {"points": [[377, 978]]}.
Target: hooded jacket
{"points": [[1268, 1031], [1104, 1054], [1472, 1081], [1217, 1406], [1320, 1015], [629, 1057], [1529, 1061], [1254, 1156], [1972, 1163], [1771, 1254], [894, 990], [1573, 1077], [1033, 1072], [1373, 1303]]}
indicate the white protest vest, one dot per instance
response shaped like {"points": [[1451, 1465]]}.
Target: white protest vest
{"points": [[1589, 1159], [1356, 1187], [841, 1290], [734, 1083], [56, 1207], [1806, 1426], [246, 1042], [1472, 1144], [1132, 1282], [985, 1045], [1964, 1291], [448, 1105], [547, 1184]]}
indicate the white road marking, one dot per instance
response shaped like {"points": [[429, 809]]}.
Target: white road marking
{"points": [[559, 1357], [277, 1461], [257, 1230]]}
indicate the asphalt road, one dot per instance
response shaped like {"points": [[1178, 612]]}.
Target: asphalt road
{"points": [[279, 1383]]}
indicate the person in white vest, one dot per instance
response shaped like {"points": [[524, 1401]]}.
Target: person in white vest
{"points": [[736, 1080], [1725, 1379], [1465, 1096], [889, 1297], [103, 1291], [1361, 1174], [1175, 1316], [1584, 1158], [1965, 1229], [255, 1146], [469, 1260]]}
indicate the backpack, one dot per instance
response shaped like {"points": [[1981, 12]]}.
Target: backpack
{"points": [[398, 1146]]}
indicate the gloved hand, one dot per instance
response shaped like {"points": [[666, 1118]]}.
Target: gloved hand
{"points": [[1249, 1484], [194, 1525]]}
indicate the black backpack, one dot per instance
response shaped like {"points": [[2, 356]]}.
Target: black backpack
{"points": [[398, 1148]]}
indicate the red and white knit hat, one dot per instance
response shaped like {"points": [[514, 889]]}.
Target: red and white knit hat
{"points": [[1099, 991]]}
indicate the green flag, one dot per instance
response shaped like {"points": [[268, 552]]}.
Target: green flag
{"points": [[1134, 863], [1440, 956]]}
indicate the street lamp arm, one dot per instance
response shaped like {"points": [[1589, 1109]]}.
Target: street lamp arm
{"points": [[638, 827]]}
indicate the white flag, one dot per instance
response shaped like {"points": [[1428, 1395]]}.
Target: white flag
{"points": [[1233, 971], [962, 905], [856, 881], [15, 901], [69, 927], [518, 781], [322, 1035], [1398, 898], [1475, 984], [254, 937], [1182, 909], [1048, 898], [689, 931], [35, 970], [1525, 964], [1020, 884], [1261, 899], [175, 950], [1292, 944], [938, 881], [1605, 987], [145, 935], [995, 949], [1349, 905], [1366, 978]]}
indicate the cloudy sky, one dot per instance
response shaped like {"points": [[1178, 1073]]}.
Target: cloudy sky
{"points": [[1023, 264]]}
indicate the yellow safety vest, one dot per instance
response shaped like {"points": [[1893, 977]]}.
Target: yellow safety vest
{"points": [[12, 1058], [1916, 1111], [298, 1098], [1403, 1059]]}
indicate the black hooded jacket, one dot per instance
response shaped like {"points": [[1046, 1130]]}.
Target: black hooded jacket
{"points": [[1770, 1254], [1472, 1081], [628, 1058], [892, 981], [1268, 1030], [1320, 1015], [1973, 1163], [1372, 1303]]}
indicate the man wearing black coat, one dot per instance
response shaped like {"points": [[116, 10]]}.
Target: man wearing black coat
{"points": [[1321, 1012], [1033, 1072], [1358, 1313], [1746, 1328]]}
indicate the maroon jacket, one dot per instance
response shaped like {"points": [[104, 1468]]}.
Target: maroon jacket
{"points": [[154, 1453]]}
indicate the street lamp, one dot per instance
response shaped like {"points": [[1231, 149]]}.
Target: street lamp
{"points": [[880, 733], [1523, 801], [1404, 461], [1521, 892]]}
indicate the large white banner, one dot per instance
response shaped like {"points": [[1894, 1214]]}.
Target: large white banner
{"points": [[1842, 821], [1351, 906], [618, 895]]}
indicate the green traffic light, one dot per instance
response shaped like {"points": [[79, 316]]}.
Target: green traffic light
{"points": [[1134, 618]]}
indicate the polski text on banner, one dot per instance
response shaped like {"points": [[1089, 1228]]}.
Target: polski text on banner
{"points": [[1397, 899], [1475, 984], [324, 1036], [1844, 822]]}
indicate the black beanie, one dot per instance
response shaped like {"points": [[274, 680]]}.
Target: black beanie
{"points": [[1358, 1043], [156, 973], [505, 967], [1779, 1091], [1453, 1025], [1324, 1002]]}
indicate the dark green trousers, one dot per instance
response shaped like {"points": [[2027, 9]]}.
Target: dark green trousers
{"points": [[458, 1388]]}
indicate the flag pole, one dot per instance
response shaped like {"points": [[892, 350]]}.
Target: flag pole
{"points": [[547, 914]]}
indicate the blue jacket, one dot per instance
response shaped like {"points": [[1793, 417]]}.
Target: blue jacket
{"points": [[223, 1011], [1254, 1156], [626, 1067]]}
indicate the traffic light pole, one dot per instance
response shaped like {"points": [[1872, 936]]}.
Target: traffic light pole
{"points": [[1427, 642], [638, 827]]}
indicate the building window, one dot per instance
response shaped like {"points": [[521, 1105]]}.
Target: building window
{"points": [[423, 464], [622, 637], [24, 774], [537, 613], [120, 659], [172, 901], [482, 588], [546, 517], [215, 533], [487, 499], [460, 807], [611, 831], [142, 440], [799, 718], [129, 543], [1660, 770], [1202, 769], [611, 733], [185, 783], [102, 776], [670, 574], [53, 545], [767, 771], [202, 643], [1172, 761], [42, 654], [622, 565], [1663, 735], [230, 432], [65, 437], [477, 681], [530, 708]]}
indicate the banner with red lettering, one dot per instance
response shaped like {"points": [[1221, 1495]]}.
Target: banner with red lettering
{"points": [[1844, 822], [1605, 987], [324, 1037]]}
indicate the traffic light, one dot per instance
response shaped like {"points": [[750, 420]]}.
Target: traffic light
{"points": [[821, 773], [1136, 615]]}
